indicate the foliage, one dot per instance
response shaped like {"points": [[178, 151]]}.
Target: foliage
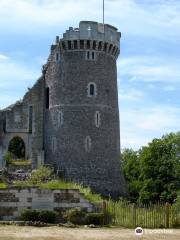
{"points": [[75, 216], [153, 172], [3, 185], [59, 184], [42, 174], [37, 215], [95, 218], [21, 162], [17, 147], [8, 158]]}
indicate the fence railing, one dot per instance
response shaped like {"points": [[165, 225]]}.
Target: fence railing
{"points": [[126, 214]]}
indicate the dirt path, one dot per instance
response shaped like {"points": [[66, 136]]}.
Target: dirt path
{"points": [[59, 233]]}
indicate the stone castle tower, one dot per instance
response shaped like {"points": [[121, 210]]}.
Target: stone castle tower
{"points": [[72, 111]]}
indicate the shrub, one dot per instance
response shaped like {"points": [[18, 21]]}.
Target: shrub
{"points": [[8, 158], [37, 215], [42, 174], [95, 218], [30, 215], [75, 216], [47, 216]]}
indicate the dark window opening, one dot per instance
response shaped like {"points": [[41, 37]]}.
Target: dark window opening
{"points": [[105, 47], [88, 44], [69, 45], [57, 57], [63, 46], [75, 44], [93, 55], [88, 55], [100, 46], [94, 45], [17, 147], [47, 98], [30, 118], [81, 44], [91, 89]]}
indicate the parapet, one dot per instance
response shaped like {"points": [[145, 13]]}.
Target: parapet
{"points": [[93, 36]]}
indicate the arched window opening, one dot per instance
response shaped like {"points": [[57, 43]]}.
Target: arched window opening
{"points": [[93, 56], [92, 91], [17, 148], [88, 143], [47, 98], [60, 118], [97, 119]]}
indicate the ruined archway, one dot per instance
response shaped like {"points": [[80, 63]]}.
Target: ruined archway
{"points": [[17, 147]]}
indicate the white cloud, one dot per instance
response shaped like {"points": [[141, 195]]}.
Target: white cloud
{"points": [[150, 69], [140, 125], [3, 57], [130, 94], [169, 88], [158, 19]]}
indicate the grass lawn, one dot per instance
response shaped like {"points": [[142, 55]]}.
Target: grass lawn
{"points": [[60, 233]]}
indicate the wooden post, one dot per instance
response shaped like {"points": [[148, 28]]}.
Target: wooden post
{"points": [[104, 210], [167, 214], [134, 215]]}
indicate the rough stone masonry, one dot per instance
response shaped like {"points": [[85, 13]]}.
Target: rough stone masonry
{"points": [[70, 118]]}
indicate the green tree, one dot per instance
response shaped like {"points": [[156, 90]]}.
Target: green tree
{"points": [[153, 172], [131, 169]]}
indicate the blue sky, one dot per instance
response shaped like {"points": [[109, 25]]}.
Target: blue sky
{"points": [[148, 68]]}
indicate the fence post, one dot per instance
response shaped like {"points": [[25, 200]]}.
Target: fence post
{"points": [[167, 214], [134, 215], [104, 210]]}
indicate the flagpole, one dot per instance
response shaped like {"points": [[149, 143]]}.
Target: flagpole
{"points": [[103, 12]]}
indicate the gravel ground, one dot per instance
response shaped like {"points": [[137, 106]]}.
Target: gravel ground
{"points": [[61, 233]]}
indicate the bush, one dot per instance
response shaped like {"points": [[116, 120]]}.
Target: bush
{"points": [[30, 215], [75, 216], [42, 174], [47, 216], [37, 215], [8, 158], [95, 218]]}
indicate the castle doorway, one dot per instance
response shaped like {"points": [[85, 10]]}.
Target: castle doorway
{"points": [[17, 147]]}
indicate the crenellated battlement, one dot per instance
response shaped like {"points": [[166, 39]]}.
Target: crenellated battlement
{"points": [[91, 36]]}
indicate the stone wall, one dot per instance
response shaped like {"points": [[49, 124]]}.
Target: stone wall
{"points": [[13, 201]]}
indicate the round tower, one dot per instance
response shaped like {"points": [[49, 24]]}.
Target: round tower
{"points": [[81, 120]]}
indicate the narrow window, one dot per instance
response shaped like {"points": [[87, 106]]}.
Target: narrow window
{"points": [[60, 118], [91, 89], [92, 55], [54, 144], [57, 57], [88, 55], [69, 45], [88, 144], [75, 44], [47, 98], [97, 119], [30, 118], [92, 92]]}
